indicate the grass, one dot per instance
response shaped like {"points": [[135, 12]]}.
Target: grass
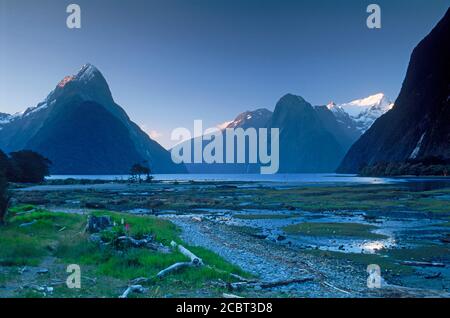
{"points": [[334, 229], [351, 198], [385, 198], [163, 231], [428, 253], [21, 246], [18, 249], [61, 236]]}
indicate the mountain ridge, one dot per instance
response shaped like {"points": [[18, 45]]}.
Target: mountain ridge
{"points": [[30, 130], [418, 126]]}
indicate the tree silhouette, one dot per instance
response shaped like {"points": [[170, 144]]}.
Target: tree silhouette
{"points": [[138, 170], [28, 166]]}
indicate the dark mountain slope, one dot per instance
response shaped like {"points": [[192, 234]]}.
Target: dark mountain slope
{"points": [[305, 143], [82, 130], [418, 126]]}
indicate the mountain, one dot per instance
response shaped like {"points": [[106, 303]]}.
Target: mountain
{"points": [[82, 130], [362, 113], [4, 119], [418, 126], [306, 144], [346, 133], [312, 139], [249, 119], [256, 119]]}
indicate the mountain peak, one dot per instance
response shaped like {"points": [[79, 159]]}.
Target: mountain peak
{"points": [[256, 119], [292, 103], [88, 72], [363, 111], [291, 98], [370, 100], [88, 83], [419, 125]]}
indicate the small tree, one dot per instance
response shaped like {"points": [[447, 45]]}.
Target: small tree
{"points": [[137, 171]]}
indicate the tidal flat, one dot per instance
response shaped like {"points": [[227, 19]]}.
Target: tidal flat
{"points": [[256, 239]]}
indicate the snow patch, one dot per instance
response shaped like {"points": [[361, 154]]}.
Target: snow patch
{"points": [[86, 73], [363, 111], [416, 150]]}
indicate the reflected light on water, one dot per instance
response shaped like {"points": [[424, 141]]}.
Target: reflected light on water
{"points": [[374, 246]]}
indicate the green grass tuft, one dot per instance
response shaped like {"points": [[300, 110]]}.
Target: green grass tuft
{"points": [[334, 229]]}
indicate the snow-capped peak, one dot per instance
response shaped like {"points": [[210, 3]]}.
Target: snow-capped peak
{"points": [[363, 111], [87, 72], [331, 105], [360, 106], [4, 118], [257, 118]]}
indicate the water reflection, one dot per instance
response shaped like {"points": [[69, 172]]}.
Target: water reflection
{"points": [[375, 246]]}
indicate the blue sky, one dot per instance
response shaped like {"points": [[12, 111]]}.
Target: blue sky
{"points": [[169, 62]]}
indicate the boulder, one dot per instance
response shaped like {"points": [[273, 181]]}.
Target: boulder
{"points": [[96, 224]]}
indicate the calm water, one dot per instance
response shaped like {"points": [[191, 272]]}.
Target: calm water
{"points": [[294, 178]]}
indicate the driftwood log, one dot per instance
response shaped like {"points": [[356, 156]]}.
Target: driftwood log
{"points": [[136, 286], [130, 241], [133, 289], [195, 261], [173, 268], [225, 295], [266, 285]]}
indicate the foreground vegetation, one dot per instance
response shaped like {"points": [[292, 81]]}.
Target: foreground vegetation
{"points": [[334, 229], [38, 238], [195, 195]]}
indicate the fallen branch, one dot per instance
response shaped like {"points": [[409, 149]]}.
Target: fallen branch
{"points": [[173, 268], [140, 281], [286, 282], [240, 278], [336, 288], [133, 289], [28, 224], [266, 285], [194, 259], [225, 295], [132, 241], [423, 264]]}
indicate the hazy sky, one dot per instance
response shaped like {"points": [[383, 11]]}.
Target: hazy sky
{"points": [[169, 62]]}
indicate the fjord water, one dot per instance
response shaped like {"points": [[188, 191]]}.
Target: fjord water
{"points": [[300, 178]]}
